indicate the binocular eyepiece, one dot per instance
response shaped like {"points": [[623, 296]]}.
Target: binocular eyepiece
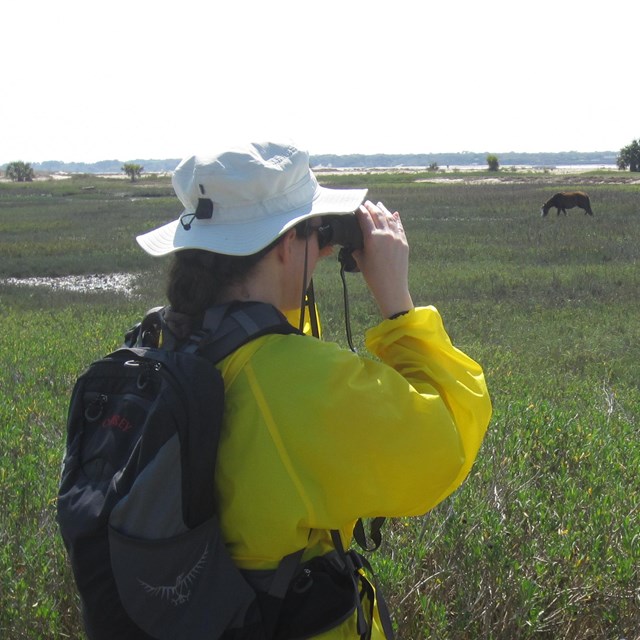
{"points": [[343, 231]]}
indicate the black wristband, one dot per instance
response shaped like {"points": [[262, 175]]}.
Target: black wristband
{"points": [[397, 315]]}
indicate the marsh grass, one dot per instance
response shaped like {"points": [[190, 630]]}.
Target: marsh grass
{"points": [[543, 539], [56, 228]]}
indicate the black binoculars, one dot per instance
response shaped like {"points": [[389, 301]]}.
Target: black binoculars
{"points": [[341, 230], [344, 231]]}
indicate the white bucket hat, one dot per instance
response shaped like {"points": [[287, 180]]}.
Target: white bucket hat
{"points": [[239, 201]]}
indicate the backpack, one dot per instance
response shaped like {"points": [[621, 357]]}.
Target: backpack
{"points": [[136, 504]]}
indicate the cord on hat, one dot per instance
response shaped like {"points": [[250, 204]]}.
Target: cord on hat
{"points": [[204, 211]]}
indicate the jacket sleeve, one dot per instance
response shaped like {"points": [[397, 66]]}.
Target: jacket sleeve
{"points": [[362, 437], [417, 346]]}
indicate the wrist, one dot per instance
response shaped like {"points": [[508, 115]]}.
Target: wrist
{"points": [[396, 308]]}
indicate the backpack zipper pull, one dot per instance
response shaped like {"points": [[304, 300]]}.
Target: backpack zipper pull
{"points": [[96, 407]]}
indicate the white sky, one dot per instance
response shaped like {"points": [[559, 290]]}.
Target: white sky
{"points": [[88, 80]]}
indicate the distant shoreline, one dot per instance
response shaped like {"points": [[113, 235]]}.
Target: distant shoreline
{"points": [[407, 162], [568, 168], [447, 173]]}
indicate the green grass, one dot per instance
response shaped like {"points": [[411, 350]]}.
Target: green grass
{"points": [[542, 541]]}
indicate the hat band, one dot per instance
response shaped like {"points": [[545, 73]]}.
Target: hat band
{"points": [[297, 199]]}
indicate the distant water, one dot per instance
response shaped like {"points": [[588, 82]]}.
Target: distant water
{"points": [[118, 282], [560, 168]]}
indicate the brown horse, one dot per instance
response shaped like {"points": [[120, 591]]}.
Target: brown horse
{"points": [[567, 200]]}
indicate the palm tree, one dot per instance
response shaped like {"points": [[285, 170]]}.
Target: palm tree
{"points": [[630, 157], [19, 171], [133, 170]]}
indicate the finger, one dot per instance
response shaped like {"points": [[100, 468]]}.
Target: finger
{"points": [[377, 216], [365, 218], [384, 218], [384, 209], [374, 217]]}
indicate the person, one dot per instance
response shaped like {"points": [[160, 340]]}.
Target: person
{"points": [[316, 436]]}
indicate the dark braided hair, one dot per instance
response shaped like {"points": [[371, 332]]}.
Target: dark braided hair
{"points": [[198, 278]]}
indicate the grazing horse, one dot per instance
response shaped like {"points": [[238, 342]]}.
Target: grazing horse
{"points": [[567, 200]]}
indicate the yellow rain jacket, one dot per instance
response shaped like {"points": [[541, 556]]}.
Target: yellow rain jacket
{"points": [[315, 437]]}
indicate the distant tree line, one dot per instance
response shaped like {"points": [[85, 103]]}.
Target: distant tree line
{"points": [[463, 158], [382, 160], [104, 166]]}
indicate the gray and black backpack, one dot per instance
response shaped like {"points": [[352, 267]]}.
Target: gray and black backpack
{"points": [[136, 504]]}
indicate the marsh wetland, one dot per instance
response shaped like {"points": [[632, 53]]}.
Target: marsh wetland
{"points": [[542, 540]]}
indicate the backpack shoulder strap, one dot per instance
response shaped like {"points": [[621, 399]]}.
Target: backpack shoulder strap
{"points": [[368, 586], [223, 329], [227, 327]]}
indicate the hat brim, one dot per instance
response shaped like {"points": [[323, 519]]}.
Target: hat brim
{"points": [[246, 238]]}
